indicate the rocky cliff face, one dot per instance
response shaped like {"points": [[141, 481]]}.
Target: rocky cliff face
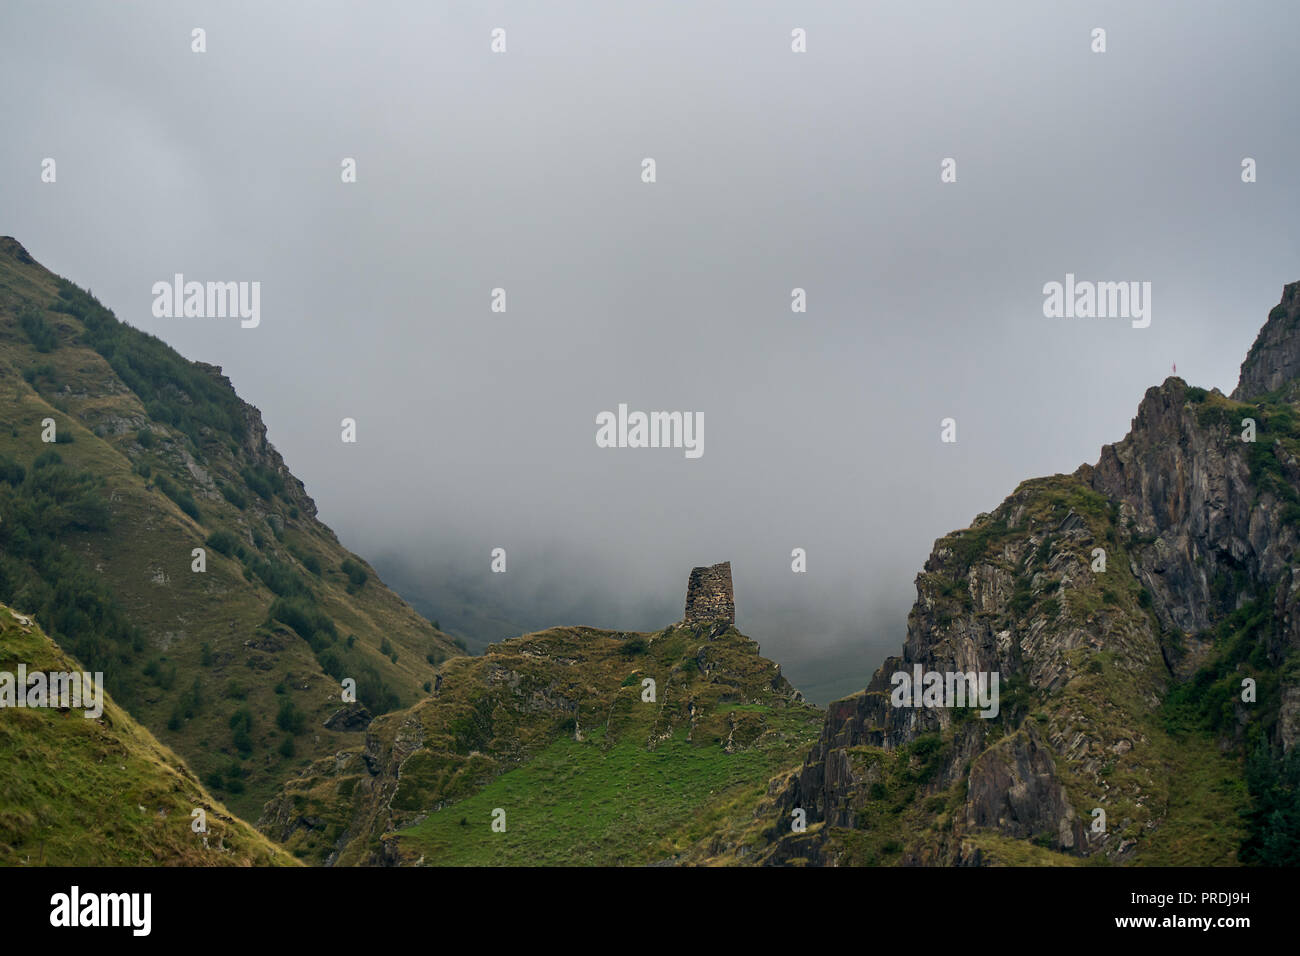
{"points": [[1014, 595], [1274, 359], [1214, 515], [1113, 603], [257, 449]]}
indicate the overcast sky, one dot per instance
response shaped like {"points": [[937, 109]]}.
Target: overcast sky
{"points": [[775, 170]]}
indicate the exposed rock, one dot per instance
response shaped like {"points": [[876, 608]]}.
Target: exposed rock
{"points": [[1013, 788], [349, 717], [1289, 717], [1274, 359], [1189, 488]]}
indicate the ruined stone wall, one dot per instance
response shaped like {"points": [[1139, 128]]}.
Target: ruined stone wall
{"points": [[709, 596]]}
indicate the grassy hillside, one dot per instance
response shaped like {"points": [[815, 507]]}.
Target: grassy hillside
{"points": [[102, 792], [553, 728], [237, 667], [603, 803]]}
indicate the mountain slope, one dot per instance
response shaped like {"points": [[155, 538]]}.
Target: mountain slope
{"points": [[78, 791], [238, 667], [554, 728], [1124, 690]]}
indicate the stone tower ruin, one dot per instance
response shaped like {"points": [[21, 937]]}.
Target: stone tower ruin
{"points": [[709, 596]]}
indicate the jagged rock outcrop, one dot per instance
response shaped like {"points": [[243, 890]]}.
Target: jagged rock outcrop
{"points": [[349, 717], [1014, 595], [1183, 478], [1013, 788], [1274, 359], [1095, 597]]}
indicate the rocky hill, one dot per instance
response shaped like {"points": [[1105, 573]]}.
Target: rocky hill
{"points": [[589, 747], [1144, 617], [118, 459]]}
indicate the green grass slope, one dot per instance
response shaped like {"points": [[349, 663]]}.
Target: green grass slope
{"points": [[600, 803], [77, 791]]}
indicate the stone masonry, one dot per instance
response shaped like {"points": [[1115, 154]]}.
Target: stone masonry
{"points": [[709, 596]]}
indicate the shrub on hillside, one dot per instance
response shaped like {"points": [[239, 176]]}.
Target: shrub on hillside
{"points": [[311, 623], [34, 373], [241, 726], [308, 561], [283, 580], [289, 717], [231, 494], [41, 574], [184, 500], [1273, 822], [374, 694], [357, 575], [331, 664], [39, 332], [223, 542], [11, 472], [263, 481]]}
